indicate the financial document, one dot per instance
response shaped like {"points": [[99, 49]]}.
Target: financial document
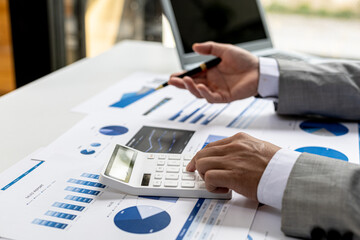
{"points": [[56, 193], [63, 199]]}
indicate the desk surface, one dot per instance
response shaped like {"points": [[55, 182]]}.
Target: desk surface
{"points": [[35, 115]]}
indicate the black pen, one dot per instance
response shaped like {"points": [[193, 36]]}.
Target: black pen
{"points": [[203, 67]]}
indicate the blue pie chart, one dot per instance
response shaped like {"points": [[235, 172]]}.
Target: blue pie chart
{"points": [[87, 151], [324, 128], [326, 152], [142, 219], [95, 144], [113, 130]]}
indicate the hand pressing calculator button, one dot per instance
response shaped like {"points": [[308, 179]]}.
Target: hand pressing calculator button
{"points": [[152, 174]]}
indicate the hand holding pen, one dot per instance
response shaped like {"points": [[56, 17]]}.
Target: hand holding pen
{"points": [[235, 77]]}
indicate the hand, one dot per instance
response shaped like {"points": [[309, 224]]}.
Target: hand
{"points": [[236, 163], [236, 77]]}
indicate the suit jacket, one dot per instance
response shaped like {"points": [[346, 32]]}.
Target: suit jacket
{"points": [[321, 192], [328, 89]]}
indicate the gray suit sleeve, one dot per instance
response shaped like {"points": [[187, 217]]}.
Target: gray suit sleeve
{"points": [[327, 89], [321, 192]]}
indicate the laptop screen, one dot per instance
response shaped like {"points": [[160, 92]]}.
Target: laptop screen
{"points": [[225, 21]]}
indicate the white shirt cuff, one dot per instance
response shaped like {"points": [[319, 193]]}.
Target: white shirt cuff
{"points": [[269, 77], [274, 179]]}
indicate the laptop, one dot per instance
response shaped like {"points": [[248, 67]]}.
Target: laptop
{"points": [[239, 22]]}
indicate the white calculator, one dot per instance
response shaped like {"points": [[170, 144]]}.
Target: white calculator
{"points": [[154, 174]]}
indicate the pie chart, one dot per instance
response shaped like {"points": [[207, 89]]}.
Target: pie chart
{"points": [[95, 144], [87, 151], [326, 152], [324, 128], [113, 130], [142, 219]]}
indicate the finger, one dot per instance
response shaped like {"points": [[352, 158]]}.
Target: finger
{"points": [[199, 78], [191, 166], [211, 97], [208, 48], [220, 142], [206, 159], [177, 82], [218, 181], [190, 85], [213, 151], [210, 163]]}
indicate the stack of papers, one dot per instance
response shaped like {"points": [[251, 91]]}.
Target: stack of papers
{"points": [[55, 193]]}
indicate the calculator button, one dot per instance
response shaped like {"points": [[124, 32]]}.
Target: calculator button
{"points": [[184, 170], [201, 185], [185, 164], [173, 163], [187, 157], [157, 183], [170, 183], [175, 157], [162, 156], [188, 177], [158, 176], [161, 163], [159, 169], [150, 156], [187, 184], [172, 176], [172, 169]]}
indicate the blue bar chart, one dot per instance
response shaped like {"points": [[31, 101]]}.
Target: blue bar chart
{"points": [[52, 224], [72, 205], [198, 112]]}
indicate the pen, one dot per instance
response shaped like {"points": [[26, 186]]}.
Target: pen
{"points": [[203, 67]]}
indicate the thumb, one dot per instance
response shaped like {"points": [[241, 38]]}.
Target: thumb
{"points": [[209, 48]]}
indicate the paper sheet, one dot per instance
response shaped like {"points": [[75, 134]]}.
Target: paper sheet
{"points": [[132, 113], [62, 199], [267, 225], [169, 105], [130, 91]]}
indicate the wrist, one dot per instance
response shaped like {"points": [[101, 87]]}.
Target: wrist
{"points": [[273, 182], [255, 76], [268, 82]]}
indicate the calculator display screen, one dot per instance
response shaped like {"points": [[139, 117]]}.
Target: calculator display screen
{"points": [[121, 163]]}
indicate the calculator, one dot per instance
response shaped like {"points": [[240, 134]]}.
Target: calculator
{"points": [[154, 174]]}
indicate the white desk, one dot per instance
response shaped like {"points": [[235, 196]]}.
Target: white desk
{"points": [[38, 113]]}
